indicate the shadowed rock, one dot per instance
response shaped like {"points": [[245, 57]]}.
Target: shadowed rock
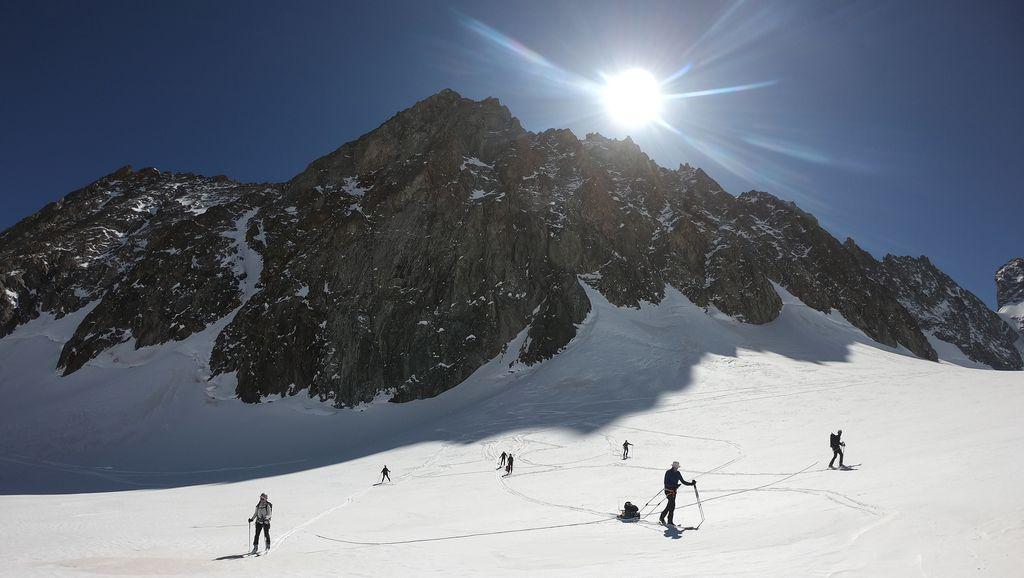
{"points": [[403, 260]]}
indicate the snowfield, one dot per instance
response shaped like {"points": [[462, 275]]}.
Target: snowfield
{"points": [[137, 465]]}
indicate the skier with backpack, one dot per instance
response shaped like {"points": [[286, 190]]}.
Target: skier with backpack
{"points": [[837, 446], [384, 474], [673, 479], [625, 449], [264, 509], [508, 466]]}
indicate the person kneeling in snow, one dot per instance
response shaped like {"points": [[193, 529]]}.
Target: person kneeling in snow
{"points": [[264, 509], [629, 511]]}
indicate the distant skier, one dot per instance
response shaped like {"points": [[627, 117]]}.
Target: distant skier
{"points": [[264, 509], [837, 449], [508, 465], [672, 481], [504, 456], [625, 449], [384, 474]]}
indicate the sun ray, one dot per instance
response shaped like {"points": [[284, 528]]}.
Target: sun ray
{"points": [[725, 90]]}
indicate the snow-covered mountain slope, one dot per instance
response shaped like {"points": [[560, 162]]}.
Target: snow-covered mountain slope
{"points": [[959, 325], [745, 408], [403, 261]]}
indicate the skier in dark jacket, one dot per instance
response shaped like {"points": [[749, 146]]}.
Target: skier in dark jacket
{"points": [[504, 456], [672, 481], [837, 449], [384, 474], [264, 510], [508, 465], [625, 449]]}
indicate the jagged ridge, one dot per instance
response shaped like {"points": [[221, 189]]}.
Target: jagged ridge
{"points": [[407, 258], [1010, 293]]}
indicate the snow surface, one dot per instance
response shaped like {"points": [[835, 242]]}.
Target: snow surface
{"points": [[950, 353], [351, 187], [474, 162], [132, 466], [1013, 314], [12, 297], [479, 194]]}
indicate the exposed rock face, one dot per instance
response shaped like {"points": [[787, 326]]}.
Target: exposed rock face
{"points": [[154, 248], [950, 312], [1010, 293], [405, 259]]}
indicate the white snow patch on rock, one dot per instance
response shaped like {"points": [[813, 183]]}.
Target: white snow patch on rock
{"points": [[351, 187]]}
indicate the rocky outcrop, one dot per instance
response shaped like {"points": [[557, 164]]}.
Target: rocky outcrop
{"points": [[404, 260], [153, 248], [1010, 293], [949, 312]]}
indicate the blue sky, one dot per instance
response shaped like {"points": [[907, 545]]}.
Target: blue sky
{"points": [[900, 124]]}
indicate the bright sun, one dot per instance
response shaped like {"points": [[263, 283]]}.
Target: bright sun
{"points": [[633, 98]]}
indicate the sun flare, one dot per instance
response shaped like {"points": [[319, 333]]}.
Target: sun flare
{"points": [[633, 98]]}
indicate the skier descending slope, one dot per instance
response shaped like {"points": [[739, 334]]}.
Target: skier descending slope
{"points": [[508, 466], [264, 509], [673, 479], [384, 474], [837, 449], [504, 456], [625, 449]]}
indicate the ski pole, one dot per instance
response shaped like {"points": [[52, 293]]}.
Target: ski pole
{"points": [[696, 494], [651, 500], [249, 535], [655, 508], [658, 493]]}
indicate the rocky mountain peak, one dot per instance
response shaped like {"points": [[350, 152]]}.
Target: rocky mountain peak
{"points": [[1010, 283], [436, 133], [1010, 295], [405, 259]]}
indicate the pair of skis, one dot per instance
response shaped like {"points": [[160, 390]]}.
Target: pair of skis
{"points": [[700, 507], [253, 553]]}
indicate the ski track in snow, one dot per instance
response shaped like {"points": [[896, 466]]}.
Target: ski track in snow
{"points": [[754, 413]]}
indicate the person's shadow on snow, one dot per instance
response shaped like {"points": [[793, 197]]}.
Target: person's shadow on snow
{"points": [[674, 533], [231, 557]]}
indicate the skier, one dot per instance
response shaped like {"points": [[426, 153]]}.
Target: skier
{"points": [[264, 509], [672, 481], [504, 456], [384, 474], [508, 466], [837, 449], [625, 449]]}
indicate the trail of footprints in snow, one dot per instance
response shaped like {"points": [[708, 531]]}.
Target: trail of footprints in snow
{"points": [[520, 442]]}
